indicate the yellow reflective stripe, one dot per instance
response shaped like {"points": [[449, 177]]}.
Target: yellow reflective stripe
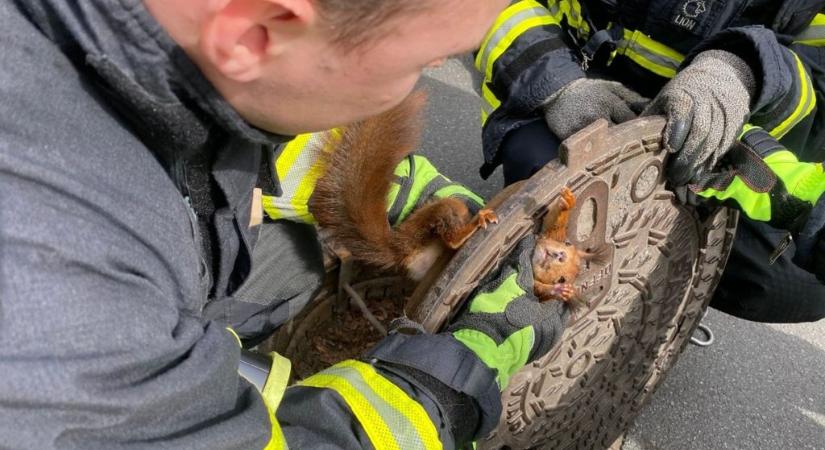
{"points": [[489, 102], [650, 54], [814, 35], [556, 10], [273, 393], [572, 11], [493, 34], [512, 23], [233, 333], [745, 128], [272, 208], [400, 401], [291, 151], [576, 20], [377, 430], [277, 441], [511, 36], [807, 102], [457, 189], [300, 198], [755, 205], [298, 166], [277, 380], [391, 419], [423, 173], [280, 207], [803, 180]]}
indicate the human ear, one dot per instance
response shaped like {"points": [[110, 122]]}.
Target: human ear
{"points": [[238, 37]]}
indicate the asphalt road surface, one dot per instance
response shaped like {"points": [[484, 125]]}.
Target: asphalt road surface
{"points": [[757, 387]]}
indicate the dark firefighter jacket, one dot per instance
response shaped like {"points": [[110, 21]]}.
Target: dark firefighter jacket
{"points": [[106, 261], [538, 46]]}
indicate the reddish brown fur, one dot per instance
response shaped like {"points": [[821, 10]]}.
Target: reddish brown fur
{"points": [[350, 198], [556, 262]]}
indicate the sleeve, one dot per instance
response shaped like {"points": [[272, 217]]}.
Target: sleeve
{"points": [[416, 182], [410, 392], [101, 345], [523, 60]]}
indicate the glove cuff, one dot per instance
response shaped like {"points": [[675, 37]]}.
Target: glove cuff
{"points": [[448, 361]]}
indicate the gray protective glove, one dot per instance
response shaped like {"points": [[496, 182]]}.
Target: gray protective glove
{"points": [[583, 101], [706, 105]]}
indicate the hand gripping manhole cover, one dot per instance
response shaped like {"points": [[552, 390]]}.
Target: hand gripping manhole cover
{"points": [[645, 298]]}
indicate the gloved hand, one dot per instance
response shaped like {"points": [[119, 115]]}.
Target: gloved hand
{"points": [[706, 105], [769, 184], [504, 324], [583, 101]]}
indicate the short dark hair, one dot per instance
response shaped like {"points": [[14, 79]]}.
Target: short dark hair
{"points": [[354, 22]]}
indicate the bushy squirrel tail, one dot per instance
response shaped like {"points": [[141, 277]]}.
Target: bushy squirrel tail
{"points": [[350, 199]]}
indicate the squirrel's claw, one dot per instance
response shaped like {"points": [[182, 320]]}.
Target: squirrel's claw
{"points": [[568, 199], [486, 216], [564, 291]]}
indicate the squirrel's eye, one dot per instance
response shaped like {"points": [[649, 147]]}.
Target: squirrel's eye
{"points": [[568, 243], [561, 280]]}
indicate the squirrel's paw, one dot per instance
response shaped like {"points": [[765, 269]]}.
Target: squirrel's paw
{"points": [[568, 199], [564, 291], [486, 216]]}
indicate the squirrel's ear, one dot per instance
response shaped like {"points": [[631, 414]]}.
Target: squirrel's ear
{"points": [[239, 36]]}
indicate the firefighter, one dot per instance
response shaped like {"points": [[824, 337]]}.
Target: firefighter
{"points": [[132, 136], [720, 72]]}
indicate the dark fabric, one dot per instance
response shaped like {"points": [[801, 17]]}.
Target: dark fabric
{"points": [[810, 243], [527, 149], [287, 271], [319, 419], [753, 289]]}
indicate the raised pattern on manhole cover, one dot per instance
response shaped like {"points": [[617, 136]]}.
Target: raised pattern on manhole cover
{"points": [[663, 261]]}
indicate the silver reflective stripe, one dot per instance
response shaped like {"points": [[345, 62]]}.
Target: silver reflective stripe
{"points": [[403, 430], [811, 34], [814, 34], [486, 106], [435, 184], [307, 157], [650, 54], [653, 57], [500, 33]]}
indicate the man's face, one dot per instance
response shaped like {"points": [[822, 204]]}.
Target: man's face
{"points": [[322, 85]]}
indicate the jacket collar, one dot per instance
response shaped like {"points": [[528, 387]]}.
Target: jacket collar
{"points": [[147, 77]]}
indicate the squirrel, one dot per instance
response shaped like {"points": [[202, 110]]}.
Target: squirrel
{"points": [[349, 200], [556, 262]]}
